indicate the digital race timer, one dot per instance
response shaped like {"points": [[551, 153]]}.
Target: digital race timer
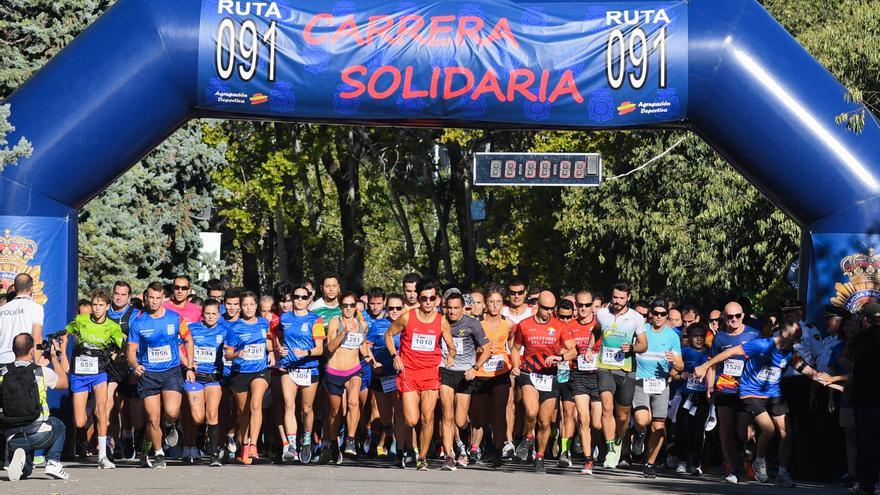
{"points": [[537, 169]]}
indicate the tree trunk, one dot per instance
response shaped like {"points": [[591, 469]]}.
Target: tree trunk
{"points": [[281, 245], [402, 220], [344, 170], [461, 187]]}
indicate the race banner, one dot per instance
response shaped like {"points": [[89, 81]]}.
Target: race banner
{"points": [[493, 63]]}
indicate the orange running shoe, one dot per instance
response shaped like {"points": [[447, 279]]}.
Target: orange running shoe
{"points": [[254, 453], [750, 470], [245, 454]]}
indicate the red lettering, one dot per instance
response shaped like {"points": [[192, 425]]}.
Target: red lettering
{"points": [[435, 81], [489, 84], [347, 79], [501, 31], [520, 87], [542, 88], [395, 82], [449, 74], [435, 29], [472, 32], [307, 32], [407, 85], [566, 85], [348, 28], [412, 30], [378, 30]]}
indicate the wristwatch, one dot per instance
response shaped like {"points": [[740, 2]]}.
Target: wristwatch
{"points": [[476, 367]]}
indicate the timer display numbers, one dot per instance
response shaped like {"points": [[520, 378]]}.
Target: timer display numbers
{"points": [[537, 169]]}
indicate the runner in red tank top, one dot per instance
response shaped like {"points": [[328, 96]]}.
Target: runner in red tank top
{"points": [[418, 363]]}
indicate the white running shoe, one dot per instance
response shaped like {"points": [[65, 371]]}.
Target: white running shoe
{"points": [[681, 468], [54, 469], [104, 463], [16, 465]]}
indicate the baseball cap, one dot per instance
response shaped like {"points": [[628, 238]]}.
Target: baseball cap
{"points": [[450, 291], [790, 305], [468, 300]]}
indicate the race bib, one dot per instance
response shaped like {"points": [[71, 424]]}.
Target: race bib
{"points": [[734, 367], [587, 364], [352, 340], [253, 352], [544, 383], [459, 345], [156, 355], [653, 386], [206, 354], [563, 366], [494, 363], [389, 383], [769, 374], [86, 365], [613, 356], [301, 377], [424, 342], [693, 383]]}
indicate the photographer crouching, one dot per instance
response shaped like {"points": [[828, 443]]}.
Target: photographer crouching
{"points": [[24, 411]]}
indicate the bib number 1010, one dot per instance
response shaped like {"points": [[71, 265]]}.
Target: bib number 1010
{"points": [[240, 49], [634, 49]]}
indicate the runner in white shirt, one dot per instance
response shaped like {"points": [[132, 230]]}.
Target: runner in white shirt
{"points": [[516, 310]]}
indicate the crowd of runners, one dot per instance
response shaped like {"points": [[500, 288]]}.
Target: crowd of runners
{"points": [[501, 374]]}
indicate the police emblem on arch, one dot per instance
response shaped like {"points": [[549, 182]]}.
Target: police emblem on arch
{"points": [[16, 251], [863, 270]]}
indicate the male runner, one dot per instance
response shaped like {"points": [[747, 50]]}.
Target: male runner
{"points": [[410, 294]]}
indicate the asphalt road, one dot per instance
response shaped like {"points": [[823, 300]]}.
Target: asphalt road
{"points": [[374, 477]]}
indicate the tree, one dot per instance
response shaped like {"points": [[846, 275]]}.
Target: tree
{"points": [[21, 149]]}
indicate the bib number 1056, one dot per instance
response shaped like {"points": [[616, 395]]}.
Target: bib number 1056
{"points": [[634, 49], [243, 44]]}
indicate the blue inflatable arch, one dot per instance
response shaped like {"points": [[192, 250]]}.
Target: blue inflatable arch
{"points": [[741, 82]]}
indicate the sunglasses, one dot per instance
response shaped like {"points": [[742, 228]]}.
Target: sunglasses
{"points": [[545, 308], [299, 297], [349, 305], [735, 316], [517, 292], [565, 317], [583, 305], [659, 313], [427, 298], [181, 287], [394, 308], [715, 320]]}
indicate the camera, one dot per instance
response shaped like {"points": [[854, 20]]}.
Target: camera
{"points": [[46, 345]]}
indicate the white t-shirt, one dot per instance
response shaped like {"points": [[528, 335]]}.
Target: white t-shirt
{"points": [[17, 316], [505, 312], [49, 375]]}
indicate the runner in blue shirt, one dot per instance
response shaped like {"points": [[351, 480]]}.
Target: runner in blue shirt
{"points": [[386, 402], [693, 410], [154, 355], [205, 393], [766, 361], [250, 350], [651, 396], [300, 344], [230, 312]]}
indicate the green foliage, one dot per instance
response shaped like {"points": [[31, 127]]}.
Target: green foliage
{"points": [[21, 149]]}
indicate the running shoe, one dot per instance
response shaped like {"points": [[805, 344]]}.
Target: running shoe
{"points": [[508, 450], [474, 457], [448, 465], [128, 450], [750, 470], [368, 442], [16, 465], [187, 456], [539, 466], [697, 472], [462, 448], [576, 446], [672, 462], [638, 443], [245, 457], [171, 435], [160, 462], [564, 460], [254, 453], [215, 461], [681, 468], [784, 479], [381, 452], [40, 461], [145, 461], [104, 463], [524, 448], [290, 454], [401, 460], [623, 464], [730, 475], [326, 455], [555, 448], [422, 465], [55, 470], [613, 455], [650, 471], [305, 453], [462, 460], [588, 467], [760, 466], [231, 446], [350, 447]]}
